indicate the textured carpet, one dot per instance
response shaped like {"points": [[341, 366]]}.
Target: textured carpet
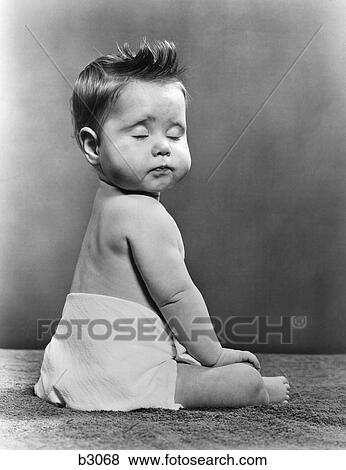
{"points": [[314, 419]]}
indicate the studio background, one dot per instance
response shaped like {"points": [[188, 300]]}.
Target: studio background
{"points": [[265, 234]]}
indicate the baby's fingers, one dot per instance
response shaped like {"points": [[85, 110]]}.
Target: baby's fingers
{"points": [[248, 356]]}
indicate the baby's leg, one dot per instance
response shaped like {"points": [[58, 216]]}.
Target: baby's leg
{"points": [[230, 386]]}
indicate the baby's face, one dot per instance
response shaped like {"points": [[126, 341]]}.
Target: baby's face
{"points": [[145, 130]]}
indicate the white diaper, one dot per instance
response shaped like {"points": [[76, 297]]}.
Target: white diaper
{"points": [[110, 354]]}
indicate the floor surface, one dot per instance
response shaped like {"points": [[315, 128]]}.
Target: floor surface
{"points": [[315, 418]]}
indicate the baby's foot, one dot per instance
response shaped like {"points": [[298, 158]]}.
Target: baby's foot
{"points": [[278, 389]]}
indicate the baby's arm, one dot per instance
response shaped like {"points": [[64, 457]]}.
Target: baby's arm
{"points": [[153, 238]]}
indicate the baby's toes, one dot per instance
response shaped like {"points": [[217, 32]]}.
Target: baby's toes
{"points": [[285, 383], [288, 393], [287, 388]]}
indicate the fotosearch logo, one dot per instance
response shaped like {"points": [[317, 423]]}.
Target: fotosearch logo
{"points": [[233, 330], [260, 329]]}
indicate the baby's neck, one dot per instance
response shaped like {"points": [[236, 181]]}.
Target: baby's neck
{"points": [[110, 188]]}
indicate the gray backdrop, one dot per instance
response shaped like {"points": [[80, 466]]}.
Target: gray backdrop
{"points": [[265, 235]]}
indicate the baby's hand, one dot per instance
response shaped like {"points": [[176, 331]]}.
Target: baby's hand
{"points": [[231, 356]]}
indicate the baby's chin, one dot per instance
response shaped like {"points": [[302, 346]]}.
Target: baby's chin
{"points": [[151, 183], [166, 182]]}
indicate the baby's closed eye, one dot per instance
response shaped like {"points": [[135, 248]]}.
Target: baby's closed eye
{"points": [[142, 136]]}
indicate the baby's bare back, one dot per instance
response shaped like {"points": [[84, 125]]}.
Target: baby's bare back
{"points": [[106, 265]]}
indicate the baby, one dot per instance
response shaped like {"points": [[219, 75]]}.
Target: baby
{"points": [[129, 113]]}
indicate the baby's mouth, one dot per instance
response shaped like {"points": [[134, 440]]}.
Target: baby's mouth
{"points": [[161, 169]]}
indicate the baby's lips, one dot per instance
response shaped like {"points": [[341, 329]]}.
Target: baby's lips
{"points": [[162, 167]]}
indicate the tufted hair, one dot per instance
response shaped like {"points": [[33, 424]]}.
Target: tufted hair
{"points": [[100, 83]]}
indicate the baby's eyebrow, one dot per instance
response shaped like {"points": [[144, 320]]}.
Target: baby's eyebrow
{"points": [[149, 118], [177, 123], [140, 122]]}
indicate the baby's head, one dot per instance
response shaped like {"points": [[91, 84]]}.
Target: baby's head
{"points": [[129, 113]]}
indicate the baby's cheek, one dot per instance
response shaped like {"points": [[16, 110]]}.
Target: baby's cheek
{"points": [[125, 146], [189, 161], [186, 159]]}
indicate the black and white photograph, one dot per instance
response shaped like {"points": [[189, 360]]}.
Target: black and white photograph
{"points": [[173, 233]]}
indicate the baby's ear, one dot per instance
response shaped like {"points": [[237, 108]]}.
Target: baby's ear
{"points": [[90, 145]]}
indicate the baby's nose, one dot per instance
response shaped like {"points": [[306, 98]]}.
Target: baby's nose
{"points": [[161, 148]]}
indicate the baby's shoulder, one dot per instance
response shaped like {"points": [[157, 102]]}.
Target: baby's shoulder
{"points": [[134, 211]]}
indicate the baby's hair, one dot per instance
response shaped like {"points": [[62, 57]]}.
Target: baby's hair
{"points": [[102, 80]]}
